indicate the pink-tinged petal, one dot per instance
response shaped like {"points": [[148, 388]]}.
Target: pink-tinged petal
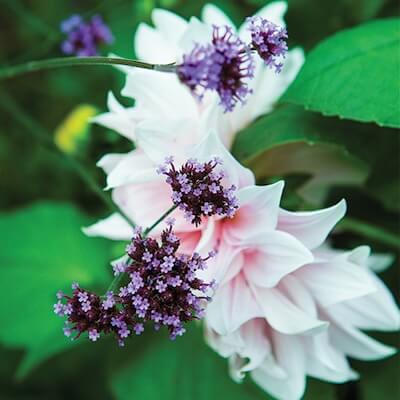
{"points": [[119, 118], [135, 167], [170, 25], [152, 46], [357, 344], [211, 146], [284, 316], [298, 294], [325, 361], [226, 264], [224, 345], [292, 359], [258, 212], [146, 202], [212, 15], [336, 281], [189, 241], [377, 311], [275, 255], [256, 344], [108, 162], [232, 305], [114, 227], [311, 227]]}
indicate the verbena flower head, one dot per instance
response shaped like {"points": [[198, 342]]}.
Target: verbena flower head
{"points": [[83, 37], [223, 66], [198, 191], [163, 286], [269, 40], [162, 289]]}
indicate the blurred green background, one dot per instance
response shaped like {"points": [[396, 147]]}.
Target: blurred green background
{"points": [[44, 202]]}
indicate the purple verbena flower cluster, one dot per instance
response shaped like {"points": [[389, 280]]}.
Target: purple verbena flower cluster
{"points": [[226, 64], [162, 289], [83, 38], [197, 189], [222, 66], [269, 40]]}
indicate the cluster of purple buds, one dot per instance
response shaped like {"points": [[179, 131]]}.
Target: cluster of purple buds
{"points": [[87, 312], [198, 190], [163, 289], [269, 40], [83, 38], [222, 66], [226, 64]]}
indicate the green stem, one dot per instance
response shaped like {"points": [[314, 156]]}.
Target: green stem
{"points": [[30, 125], [32, 66], [370, 231], [165, 215], [115, 282]]}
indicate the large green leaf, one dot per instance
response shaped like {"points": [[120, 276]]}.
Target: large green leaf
{"points": [[292, 141], [183, 369], [354, 74], [43, 250]]}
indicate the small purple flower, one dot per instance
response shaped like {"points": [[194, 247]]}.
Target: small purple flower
{"points": [[59, 309], [161, 286], [223, 66], [269, 40], [109, 302], [138, 328], [93, 335], [83, 38], [119, 268]]}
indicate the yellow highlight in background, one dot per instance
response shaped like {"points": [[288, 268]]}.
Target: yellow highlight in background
{"points": [[70, 134]]}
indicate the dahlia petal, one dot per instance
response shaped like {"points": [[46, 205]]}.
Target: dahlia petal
{"points": [[290, 356], [152, 92], [336, 281], [135, 167], [109, 161], [196, 33], [277, 255], [311, 227], [210, 146], [119, 118], [325, 361], [114, 227], [283, 315], [224, 345], [380, 262], [258, 212], [151, 46], [170, 25], [212, 15], [376, 311], [232, 305], [357, 344], [256, 344]]}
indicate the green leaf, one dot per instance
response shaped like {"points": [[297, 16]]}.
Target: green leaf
{"points": [[292, 141], [43, 250], [353, 74], [184, 369]]}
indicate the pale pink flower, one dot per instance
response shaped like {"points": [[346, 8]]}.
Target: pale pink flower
{"points": [[281, 343]]}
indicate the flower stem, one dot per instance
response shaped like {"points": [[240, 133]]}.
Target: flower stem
{"points": [[370, 231], [165, 215], [32, 66]]}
